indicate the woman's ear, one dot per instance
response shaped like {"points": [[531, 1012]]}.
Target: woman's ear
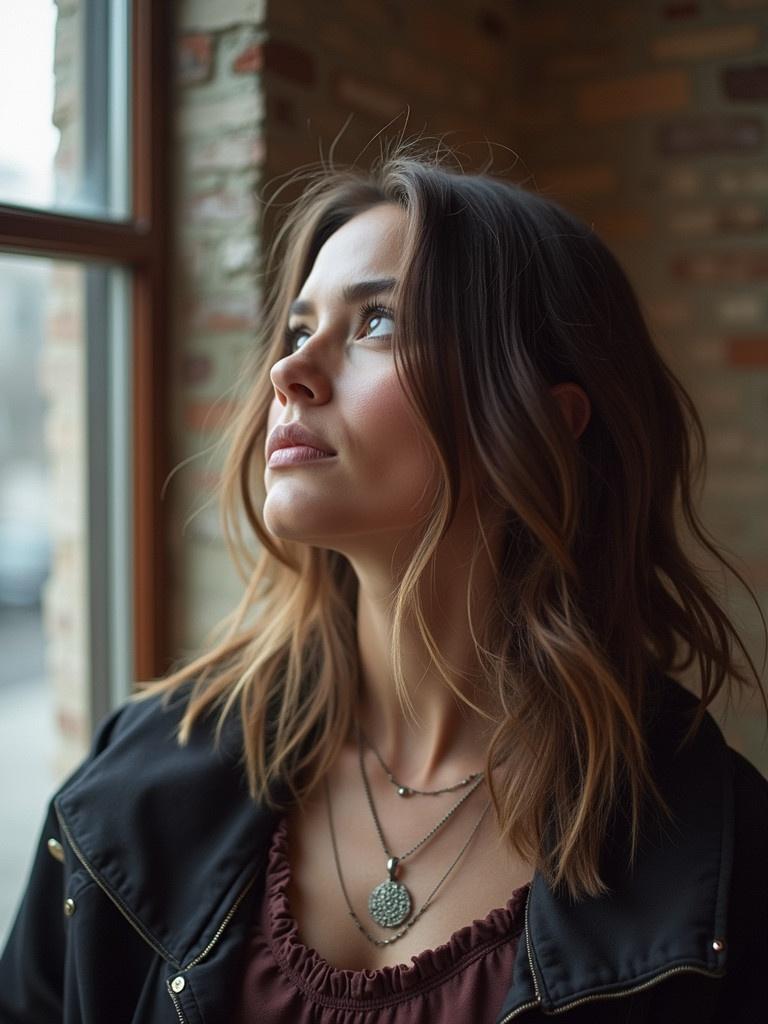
{"points": [[574, 405]]}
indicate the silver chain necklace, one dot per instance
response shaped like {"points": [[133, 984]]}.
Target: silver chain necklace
{"points": [[410, 790], [390, 903], [371, 938]]}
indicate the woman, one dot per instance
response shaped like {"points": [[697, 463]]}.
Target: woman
{"points": [[444, 772]]}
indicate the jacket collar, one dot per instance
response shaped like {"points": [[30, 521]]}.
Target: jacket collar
{"points": [[170, 833], [173, 837], [666, 912]]}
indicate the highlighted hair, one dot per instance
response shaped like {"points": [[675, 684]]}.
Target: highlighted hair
{"points": [[504, 294]]}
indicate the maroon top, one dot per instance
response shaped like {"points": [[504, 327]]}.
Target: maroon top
{"points": [[286, 982]]}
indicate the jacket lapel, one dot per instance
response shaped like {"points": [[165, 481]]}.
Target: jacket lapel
{"points": [[169, 832], [666, 912], [172, 836]]}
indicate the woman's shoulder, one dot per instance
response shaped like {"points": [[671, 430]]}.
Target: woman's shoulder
{"points": [[136, 747]]}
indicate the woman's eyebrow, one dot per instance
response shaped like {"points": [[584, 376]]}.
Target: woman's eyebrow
{"points": [[350, 293]]}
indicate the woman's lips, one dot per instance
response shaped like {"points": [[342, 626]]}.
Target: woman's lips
{"points": [[296, 454]]}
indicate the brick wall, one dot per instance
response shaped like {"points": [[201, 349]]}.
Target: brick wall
{"points": [[219, 152], [650, 120], [647, 119], [259, 89]]}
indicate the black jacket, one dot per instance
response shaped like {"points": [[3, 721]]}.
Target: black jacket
{"points": [[150, 867]]}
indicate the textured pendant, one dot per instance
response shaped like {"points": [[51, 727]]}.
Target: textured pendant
{"points": [[390, 902]]}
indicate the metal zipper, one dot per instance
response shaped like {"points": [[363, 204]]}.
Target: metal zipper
{"points": [[617, 995], [144, 934], [208, 948], [223, 924], [115, 899], [598, 995], [533, 1002], [528, 948], [172, 994]]}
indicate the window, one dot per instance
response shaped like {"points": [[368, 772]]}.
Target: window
{"points": [[84, 197]]}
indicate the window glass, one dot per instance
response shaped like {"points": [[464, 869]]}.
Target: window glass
{"points": [[65, 532], [64, 134]]}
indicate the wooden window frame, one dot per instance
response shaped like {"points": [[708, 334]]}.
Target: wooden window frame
{"points": [[142, 246]]}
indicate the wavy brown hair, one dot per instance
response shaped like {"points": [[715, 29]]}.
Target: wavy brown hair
{"points": [[504, 295]]}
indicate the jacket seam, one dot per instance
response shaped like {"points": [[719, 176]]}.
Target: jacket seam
{"points": [[111, 894]]}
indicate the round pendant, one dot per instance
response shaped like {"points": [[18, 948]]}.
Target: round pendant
{"points": [[389, 904]]}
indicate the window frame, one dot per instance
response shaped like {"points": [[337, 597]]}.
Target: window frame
{"points": [[141, 246]]}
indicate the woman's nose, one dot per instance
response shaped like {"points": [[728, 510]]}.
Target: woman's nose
{"points": [[299, 379]]}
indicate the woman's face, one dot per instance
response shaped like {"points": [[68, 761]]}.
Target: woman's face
{"points": [[338, 380]]}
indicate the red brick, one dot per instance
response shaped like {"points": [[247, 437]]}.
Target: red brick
{"points": [[623, 225], [584, 62], [615, 99], [423, 78], [706, 351], [621, 19], [750, 351], [710, 133], [339, 39], [530, 113], [194, 58], [671, 312], [492, 23], [681, 9], [721, 267], [386, 17], [677, 181], [455, 40], [289, 61], [366, 96], [542, 28], [702, 43], [277, 57], [281, 110], [249, 61], [578, 179], [746, 83]]}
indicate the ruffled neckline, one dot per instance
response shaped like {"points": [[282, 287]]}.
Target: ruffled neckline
{"points": [[334, 985]]}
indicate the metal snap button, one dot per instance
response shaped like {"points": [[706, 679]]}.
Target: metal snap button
{"points": [[178, 983], [69, 907], [55, 849], [718, 945]]}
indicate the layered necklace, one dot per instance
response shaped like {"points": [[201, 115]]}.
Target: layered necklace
{"points": [[390, 904]]}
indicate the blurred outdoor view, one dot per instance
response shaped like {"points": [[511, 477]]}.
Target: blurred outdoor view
{"points": [[29, 426]]}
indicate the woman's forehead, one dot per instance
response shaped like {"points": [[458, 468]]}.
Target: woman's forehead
{"points": [[369, 245]]}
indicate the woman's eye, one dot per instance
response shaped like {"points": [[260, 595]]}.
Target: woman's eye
{"points": [[373, 313], [379, 319], [376, 320]]}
